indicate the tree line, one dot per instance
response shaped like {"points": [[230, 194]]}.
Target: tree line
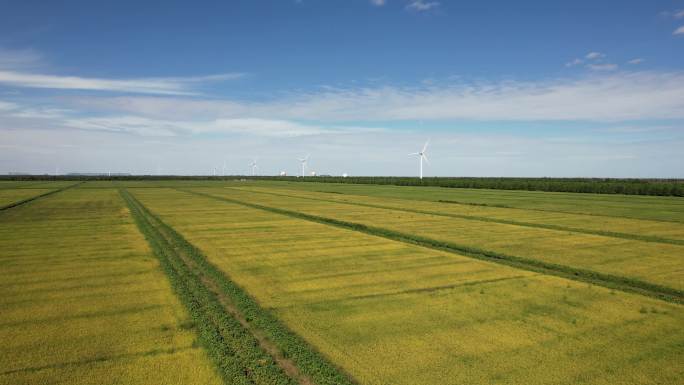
{"points": [[660, 187]]}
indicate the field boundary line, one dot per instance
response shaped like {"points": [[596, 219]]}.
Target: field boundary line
{"points": [[612, 234], [501, 206], [625, 284], [33, 198], [274, 339]]}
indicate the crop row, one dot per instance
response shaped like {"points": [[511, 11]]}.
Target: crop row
{"points": [[32, 198], [232, 346], [234, 350], [606, 280], [613, 234]]}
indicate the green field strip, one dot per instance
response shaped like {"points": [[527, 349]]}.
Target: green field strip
{"points": [[34, 197], [190, 274], [666, 209], [532, 330], [657, 228], [655, 263], [462, 203], [613, 234], [108, 320], [610, 281], [121, 357]]}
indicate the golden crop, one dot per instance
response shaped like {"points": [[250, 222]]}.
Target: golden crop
{"points": [[393, 313]]}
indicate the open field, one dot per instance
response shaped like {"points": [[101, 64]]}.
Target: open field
{"points": [[649, 262], [84, 301], [389, 312], [10, 196], [612, 205], [311, 283]]}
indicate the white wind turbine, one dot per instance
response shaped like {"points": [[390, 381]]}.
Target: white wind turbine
{"points": [[304, 160], [422, 155], [254, 167]]}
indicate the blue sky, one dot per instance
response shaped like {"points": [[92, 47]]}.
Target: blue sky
{"points": [[527, 88]]}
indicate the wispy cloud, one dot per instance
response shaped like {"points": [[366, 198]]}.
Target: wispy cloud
{"points": [[599, 96], [19, 59], [595, 55], [602, 67], [160, 86], [420, 5], [378, 3], [244, 126], [636, 61], [677, 14], [679, 31], [574, 62]]}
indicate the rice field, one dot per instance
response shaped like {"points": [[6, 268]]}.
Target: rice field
{"points": [[307, 283], [650, 262], [396, 313], [84, 301]]}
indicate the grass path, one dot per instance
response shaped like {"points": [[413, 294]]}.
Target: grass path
{"points": [[246, 342]]}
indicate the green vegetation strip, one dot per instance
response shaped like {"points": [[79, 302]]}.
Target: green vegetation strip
{"points": [[232, 346], [610, 281], [462, 203], [613, 234], [662, 187], [33, 198]]}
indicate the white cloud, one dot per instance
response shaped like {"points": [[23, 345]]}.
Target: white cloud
{"points": [[19, 59], [378, 3], [574, 62], [599, 96], [636, 61], [602, 67], [244, 126], [160, 86], [677, 14], [595, 55], [7, 106], [679, 31], [420, 5]]}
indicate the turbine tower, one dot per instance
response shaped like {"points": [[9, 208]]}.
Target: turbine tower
{"points": [[254, 167], [303, 161], [422, 155]]}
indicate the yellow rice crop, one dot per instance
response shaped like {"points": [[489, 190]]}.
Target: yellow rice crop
{"points": [[393, 313], [84, 301], [647, 261]]}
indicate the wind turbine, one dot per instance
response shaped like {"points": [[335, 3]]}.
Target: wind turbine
{"points": [[254, 167], [303, 161], [422, 155]]}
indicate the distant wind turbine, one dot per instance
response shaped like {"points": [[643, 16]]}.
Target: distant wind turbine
{"points": [[254, 167], [422, 155], [304, 160]]}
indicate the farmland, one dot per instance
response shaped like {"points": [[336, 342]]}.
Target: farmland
{"points": [[83, 299], [273, 282]]}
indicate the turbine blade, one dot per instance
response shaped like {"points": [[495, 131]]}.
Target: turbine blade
{"points": [[426, 159], [414, 153], [426, 145]]}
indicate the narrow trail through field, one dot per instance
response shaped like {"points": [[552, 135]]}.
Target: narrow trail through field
{"points": [[606, 280], [637, 237], [33, 198], [241, 349]]}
